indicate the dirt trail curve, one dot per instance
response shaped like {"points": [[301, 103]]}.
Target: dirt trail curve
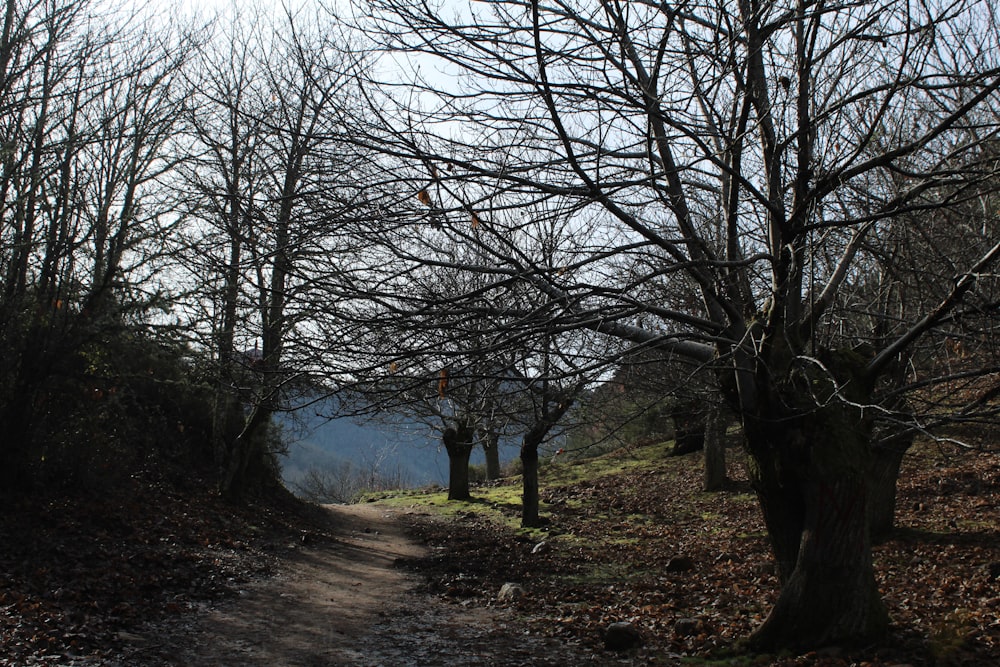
{"points": [[345, 603]]}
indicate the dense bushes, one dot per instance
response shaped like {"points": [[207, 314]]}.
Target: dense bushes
{"points": [[88, 399]]}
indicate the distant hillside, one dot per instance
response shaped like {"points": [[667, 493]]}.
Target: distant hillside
{"points": [[412, 448], [320, 443]]}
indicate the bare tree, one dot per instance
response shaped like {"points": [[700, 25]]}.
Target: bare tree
{"points": [[426, 365], [550, 396], [276, 187], [476, 352], [90, 102], [739, 165]]}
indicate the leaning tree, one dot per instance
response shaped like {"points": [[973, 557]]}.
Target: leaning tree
{"points": [[754, 161]]}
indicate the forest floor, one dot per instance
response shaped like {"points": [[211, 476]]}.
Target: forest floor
{"points": [[159, 576], [340, 598], [162, 578]]}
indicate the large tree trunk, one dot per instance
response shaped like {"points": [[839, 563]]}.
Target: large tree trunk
{"points": [[529, 495], [715, 449], [887, 457], [458, 443], [809, 465]]}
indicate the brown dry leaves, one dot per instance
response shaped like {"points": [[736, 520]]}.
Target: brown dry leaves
{"points": [[693, 570], [80, 572]]}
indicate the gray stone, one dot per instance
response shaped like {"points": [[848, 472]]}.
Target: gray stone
{"points": [[622, 636], [510, 592]]}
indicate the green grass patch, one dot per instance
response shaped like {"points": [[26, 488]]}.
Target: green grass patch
{"points": [[565, 473], [502, 502]]}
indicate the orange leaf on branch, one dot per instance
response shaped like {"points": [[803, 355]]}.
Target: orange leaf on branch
{"points": [[443, 382]]}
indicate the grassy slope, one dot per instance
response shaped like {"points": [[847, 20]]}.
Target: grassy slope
{"points": [[632, 537]]}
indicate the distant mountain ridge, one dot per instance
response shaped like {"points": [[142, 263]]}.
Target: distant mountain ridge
{"points": [[317, 442], [412, 448]]}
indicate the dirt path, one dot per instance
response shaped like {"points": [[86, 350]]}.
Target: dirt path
{"points": [[345, 603]]}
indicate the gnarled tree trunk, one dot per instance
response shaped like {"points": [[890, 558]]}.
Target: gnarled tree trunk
{"points": [[458, 443], [491, 449], [810, 460]]}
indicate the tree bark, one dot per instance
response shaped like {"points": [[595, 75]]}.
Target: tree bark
{"points": [[458, 443], [809, 463], [529, 475], [887, 457], [829, 596], [532, 440], [715, 450], [491, 448]]}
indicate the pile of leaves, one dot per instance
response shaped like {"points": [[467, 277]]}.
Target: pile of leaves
{"points": [[80, 571], [693, 570]]}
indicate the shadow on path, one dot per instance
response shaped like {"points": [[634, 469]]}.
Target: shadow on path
{"points": [[343, 602]]}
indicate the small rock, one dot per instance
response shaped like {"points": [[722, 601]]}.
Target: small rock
{"points": [[622, 636], [679, 564], [510, 592], [687, 627]]}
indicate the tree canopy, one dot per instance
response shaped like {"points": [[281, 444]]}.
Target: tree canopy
{"points": [[509, 201]]}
